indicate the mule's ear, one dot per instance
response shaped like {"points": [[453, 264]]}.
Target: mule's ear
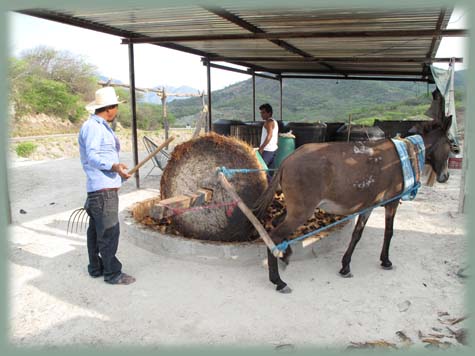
{"points": [[447, 123]]}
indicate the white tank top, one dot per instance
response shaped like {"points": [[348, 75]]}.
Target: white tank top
{"points": [[272, 145]]}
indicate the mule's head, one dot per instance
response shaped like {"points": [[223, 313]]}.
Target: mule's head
{"points": [[438, 147]]}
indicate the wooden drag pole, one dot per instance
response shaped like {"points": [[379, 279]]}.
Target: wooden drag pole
{"points": [[252, 218]]}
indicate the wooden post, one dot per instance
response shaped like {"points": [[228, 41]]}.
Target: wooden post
{"points": [[349, 128], [260, 229], [201, 122], [164, 114]]}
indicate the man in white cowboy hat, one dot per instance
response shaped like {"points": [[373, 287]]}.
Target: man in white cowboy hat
{"points": [[99, 148]]}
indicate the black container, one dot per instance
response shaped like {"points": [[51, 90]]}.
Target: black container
{"points": [[250, 132], [307, 132], [223, 126], [400, 127], [282, 125], [359, 133], [332, 128]]}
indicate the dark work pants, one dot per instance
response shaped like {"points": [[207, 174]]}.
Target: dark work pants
{"points": [[268, 157], [103, 234]]}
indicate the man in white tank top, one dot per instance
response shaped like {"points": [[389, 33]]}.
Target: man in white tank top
{"points": [[269, 136]]}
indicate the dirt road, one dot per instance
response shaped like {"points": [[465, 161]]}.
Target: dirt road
{"points": [[175, 302]]}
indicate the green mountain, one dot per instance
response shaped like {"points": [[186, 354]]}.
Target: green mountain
{"points": [[312, 100]]}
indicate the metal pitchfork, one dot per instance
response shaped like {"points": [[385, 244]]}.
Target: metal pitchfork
{"points": [[80, 216]]}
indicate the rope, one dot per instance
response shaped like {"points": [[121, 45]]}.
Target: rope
{"points": [[284, 244], [230, 172]]}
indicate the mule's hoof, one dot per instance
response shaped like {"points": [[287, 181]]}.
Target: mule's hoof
{"points": [[284, 290], [346, 275], [387, 266]]}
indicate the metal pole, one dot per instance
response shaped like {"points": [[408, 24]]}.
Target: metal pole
{"points": [[208, 73], [134, 113], [253, 96], [281, 108]]}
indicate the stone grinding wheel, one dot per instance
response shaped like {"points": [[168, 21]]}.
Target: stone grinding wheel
{"points": [[192, 165]]}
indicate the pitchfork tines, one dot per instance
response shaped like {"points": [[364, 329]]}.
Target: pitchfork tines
{"points": [[78, 217]]}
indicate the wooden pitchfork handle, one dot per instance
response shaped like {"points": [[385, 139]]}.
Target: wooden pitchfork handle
{"points": [[146, 159]]}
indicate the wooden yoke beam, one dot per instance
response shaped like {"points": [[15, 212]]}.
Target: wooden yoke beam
{"points": [[252, 218]]}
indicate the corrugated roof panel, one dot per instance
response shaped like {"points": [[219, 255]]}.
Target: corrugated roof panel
{"points": [[239, 19]]}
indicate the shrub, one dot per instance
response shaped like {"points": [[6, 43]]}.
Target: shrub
{"points": [[25, 149]]}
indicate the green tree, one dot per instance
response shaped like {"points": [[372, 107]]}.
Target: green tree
{"points": [[49, 97], [44, 80], [63, 66], [149, 116]]}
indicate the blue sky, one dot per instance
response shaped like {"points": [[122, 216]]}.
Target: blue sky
{"points": [[154, 65]]}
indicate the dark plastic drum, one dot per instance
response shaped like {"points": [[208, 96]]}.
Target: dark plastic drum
{"points": [[359, 133], [307, 132]]}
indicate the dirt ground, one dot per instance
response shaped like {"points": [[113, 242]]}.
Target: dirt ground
{"points": [[53, 301]]}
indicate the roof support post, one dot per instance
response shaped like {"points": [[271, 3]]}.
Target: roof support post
{"points": [[134, 112], [208, 76], [253, 96], [281, 108]]}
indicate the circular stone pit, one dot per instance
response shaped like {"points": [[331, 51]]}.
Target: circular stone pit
{"points": [[214, 251]]}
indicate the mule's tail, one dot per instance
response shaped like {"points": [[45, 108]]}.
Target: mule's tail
{"points": [[261, 205]]}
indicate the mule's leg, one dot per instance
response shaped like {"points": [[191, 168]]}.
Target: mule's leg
{"points": [[274, 275], [279, 234], [355, 237], [390, 212]]}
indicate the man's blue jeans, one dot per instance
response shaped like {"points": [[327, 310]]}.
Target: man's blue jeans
{"points": [[103, 234]]}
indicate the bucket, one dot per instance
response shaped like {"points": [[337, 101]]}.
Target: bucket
{"points": [[286, 145], [455, 162]]}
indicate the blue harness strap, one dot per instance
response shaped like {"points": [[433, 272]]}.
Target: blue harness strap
{"points": [[408, 172], [418, 142], [230, 172], [411, 184]]}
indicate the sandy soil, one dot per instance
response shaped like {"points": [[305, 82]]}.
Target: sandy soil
{"points": [[53, 302]]}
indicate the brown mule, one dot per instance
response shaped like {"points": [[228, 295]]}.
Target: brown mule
{"points": [[345, 178]]}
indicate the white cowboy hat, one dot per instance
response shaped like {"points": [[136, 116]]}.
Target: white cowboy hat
{"points": [[104, 97]]}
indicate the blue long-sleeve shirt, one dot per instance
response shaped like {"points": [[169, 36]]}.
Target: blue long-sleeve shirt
{"points": [[99, 148]]}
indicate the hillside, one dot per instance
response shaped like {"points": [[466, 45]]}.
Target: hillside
{"points": [[309, 100]]}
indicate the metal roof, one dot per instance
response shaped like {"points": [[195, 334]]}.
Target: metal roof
{"points": [[324, 42]]}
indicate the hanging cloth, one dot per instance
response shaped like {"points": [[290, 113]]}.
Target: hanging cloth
{"points": [[444, 80]]}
